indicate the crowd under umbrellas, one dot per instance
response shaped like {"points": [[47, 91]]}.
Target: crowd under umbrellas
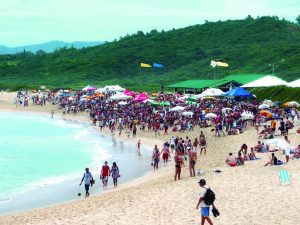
{"points": [[124, 111]]}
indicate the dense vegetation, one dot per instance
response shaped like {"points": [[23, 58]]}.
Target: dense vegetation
{"points": [[248, 45]]}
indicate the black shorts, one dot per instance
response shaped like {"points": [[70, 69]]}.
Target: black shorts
{"points": [[87, 187]]}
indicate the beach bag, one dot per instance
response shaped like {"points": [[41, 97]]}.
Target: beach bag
{"points": [[209, 197]]}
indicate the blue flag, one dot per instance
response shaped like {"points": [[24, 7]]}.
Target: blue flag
{"points": [[157, 65]]}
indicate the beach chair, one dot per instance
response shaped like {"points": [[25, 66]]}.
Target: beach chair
{"points": [[284, 177]]}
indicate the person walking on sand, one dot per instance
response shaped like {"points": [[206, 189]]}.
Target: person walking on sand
{"points": [[202, 203], [155, 157], [52, 113], [138, 145], [115, 173], [165, 154], [87, 177], [105, 172]]}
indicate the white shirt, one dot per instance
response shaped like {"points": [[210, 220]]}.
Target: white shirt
{"points": [[87, 178], [202, 194]]}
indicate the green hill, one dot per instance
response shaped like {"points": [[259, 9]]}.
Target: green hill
{"points": [[248, 46]]}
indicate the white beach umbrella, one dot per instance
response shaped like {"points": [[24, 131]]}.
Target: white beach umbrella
{"points": [[268, 102], [225, 110], [177, 108], [148, 100], [211, 92], [263, 106], [210, 116], [279, 143], [294, 104], [120, 96], [188, 113], [122, 103], [247, 116]]}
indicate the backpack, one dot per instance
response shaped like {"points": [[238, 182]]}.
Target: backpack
{"points": [[209, 197]]}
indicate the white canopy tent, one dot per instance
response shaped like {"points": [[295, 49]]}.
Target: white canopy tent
{"points": [[120, 96], [210, 93], [295, 83], [111, 88], [267, 81]]}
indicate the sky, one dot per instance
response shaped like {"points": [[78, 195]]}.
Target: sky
{"points": [[25, 22]]}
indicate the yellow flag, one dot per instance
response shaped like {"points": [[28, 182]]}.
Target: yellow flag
{"points": [[145, 65]]}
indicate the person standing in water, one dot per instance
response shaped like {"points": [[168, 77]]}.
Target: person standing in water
{"points": [[52, 113], [87, 177], [138, 145], [115, 173]]}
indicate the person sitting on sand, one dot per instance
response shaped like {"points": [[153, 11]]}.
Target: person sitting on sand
{"points": [[231, 160], [240, 159], [273, 161], [252, 155], [258, 147], [296, 154]]}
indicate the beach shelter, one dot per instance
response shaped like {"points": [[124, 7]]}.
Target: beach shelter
{"points": [[247, 116], [122, 103], [291, 104], [210, 116], [268, 102], [210, 92], [267, 81], [141, 97], [128, 93], [111, 88], [89, 88], [188, 113], [263, 106], [238, 92], [295, 83], [177, 108], [120, 96]]}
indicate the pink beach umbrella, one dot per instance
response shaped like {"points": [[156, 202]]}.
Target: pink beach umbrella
{"points": [[128, 93], [140, 98]]}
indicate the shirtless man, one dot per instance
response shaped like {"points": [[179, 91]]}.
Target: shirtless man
{"points": [[202, 146], [192, 159]]}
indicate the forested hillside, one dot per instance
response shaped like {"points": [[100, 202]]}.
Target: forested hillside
{"points": [[248, 46]]}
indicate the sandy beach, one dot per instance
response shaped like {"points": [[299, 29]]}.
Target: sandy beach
{"points": [[248, 194]]}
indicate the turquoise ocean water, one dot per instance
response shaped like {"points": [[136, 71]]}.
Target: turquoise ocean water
{"points": [[42, 159]]}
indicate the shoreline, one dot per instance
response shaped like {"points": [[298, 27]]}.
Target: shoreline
{"points": [[84, 121]]}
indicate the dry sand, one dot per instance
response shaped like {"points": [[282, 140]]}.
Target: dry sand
{"points": [[248, 195]]}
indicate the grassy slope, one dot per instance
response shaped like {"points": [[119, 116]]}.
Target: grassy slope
{"points": [[247, 45]]}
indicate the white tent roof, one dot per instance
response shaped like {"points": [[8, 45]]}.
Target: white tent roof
{"points": [[210, 92], [120, 96], [295, 83], [113, 88], [267, 81]]}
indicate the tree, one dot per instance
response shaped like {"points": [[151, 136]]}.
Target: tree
{"points": [[298, 20]]}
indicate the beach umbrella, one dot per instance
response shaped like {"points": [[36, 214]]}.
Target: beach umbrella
{"points": [[291, 104], [128, 93], [279, 143], [141, 97], [120, 96], [148, 100], [264, 106], [247, 116], [190, 103], [211, 92], [266, 113], [122, 103], [225, 110], [155, 103], [177, 108], [165, 103], [268, 102], [188, 113], [208, 98], [210, 116]]}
